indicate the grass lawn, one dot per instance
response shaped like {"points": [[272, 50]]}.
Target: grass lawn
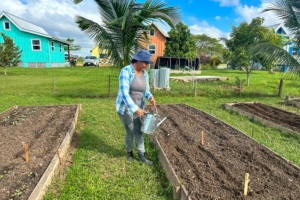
{"points": [[100, 169]]}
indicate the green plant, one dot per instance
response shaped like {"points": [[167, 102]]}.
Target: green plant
{"points": [[6, 119]]}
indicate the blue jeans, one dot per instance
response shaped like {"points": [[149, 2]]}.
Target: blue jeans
{"points": [[132, 125]]}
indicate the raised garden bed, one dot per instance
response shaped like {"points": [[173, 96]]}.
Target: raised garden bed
{"points": [[216, 169], [268, 115], [47, 132], [293, 101]]}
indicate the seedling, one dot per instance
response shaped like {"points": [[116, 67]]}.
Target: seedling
{"points": [[30, 174], [5, 119], [16, 112]]}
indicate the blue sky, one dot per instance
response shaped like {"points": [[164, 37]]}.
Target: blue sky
{"points": [[210, 17]]}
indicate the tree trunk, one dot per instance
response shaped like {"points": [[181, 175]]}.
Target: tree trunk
{"points": [[5, 69], [248, 78]]}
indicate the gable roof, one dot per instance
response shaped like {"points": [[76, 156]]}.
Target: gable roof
{"points": [[28, 27], [156, 26], [276, 27]]}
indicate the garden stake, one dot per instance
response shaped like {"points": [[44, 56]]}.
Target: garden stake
{"points": [[108, 85], [54, 86], [252, 131], [202, 141], [26, 153], [195, 88], [246, 184], [58, 156]]}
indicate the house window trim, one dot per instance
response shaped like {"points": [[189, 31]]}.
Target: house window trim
{"points": [[36, 45], [4, 27], [295, 51], [152, 49], [153, 32], [52, 46], [60, 48]]}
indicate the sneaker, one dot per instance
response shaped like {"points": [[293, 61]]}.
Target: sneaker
{"points": [[143, 158], [130, 157]]}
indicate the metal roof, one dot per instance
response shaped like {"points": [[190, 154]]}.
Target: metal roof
{"points": [[164, 33], [278, 26], [28, 27]]}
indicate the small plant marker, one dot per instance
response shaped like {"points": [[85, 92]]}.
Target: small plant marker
{"points": [[58, 156], [26, 153], [246, 184], [202, 141], [54, 86]]}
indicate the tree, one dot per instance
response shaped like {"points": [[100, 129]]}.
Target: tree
{"points": [[242, 39], [124, 26], [181, 43], [206, 45], [288, 11], [9, 54], [73, 47], [209, 49]]}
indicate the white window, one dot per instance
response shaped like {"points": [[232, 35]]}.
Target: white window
{"points": [[152, 32], [295, 52], [52, 46], [152, 49], [36, 45], [60, 48], [6, 25]]}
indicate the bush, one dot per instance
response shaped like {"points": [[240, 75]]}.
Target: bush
{"points": [[73, 63]]}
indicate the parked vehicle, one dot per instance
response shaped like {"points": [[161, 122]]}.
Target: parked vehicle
{"points": [[91, 61]]}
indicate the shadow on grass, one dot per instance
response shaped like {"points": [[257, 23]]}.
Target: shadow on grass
{"points": [[94, 142]]}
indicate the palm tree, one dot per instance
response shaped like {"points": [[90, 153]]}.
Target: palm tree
{"points": [[288, 11], [124, 26]]}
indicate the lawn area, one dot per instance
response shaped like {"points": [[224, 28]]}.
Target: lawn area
{"points": [[99, 169]]}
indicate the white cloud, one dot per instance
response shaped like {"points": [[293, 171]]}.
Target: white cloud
{"points": [[57, 17], [204, 28], [217, 17], [247, 13], [228, 2]]}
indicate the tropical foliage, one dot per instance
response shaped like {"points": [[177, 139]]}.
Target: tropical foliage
{"points": [[73, 47], [124, 26], [288, 11], [243, 38], [210, 50], [9, 54], [180, 43]]}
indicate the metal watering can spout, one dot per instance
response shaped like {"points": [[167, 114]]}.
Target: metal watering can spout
{"points": [[150, 122], [161, 121]]}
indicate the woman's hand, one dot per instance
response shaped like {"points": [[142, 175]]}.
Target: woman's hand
{"points": [[152, 101], [139, 112]]}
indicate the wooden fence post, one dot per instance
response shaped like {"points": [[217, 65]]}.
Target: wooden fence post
{"points": [[280, 87]]}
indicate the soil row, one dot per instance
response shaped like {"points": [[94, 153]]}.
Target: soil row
{"points": [[216, 170]]}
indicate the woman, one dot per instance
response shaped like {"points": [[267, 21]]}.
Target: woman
{"points": [[133, 90]]}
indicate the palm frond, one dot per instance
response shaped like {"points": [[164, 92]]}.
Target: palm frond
{"points": [[289, 12], [276, 54]]}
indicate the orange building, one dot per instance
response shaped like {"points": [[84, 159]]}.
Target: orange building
{"points": [[157, 42]]}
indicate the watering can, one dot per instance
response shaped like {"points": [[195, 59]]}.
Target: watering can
{"points": [[150, 121]]}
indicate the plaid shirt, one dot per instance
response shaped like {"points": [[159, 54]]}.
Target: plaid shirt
{"points": [[123, 99]]}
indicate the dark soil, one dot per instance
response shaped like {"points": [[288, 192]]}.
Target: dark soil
{"points": [[216, 170], [43, 129], [277, 116]]}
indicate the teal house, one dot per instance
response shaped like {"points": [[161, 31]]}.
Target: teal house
{"points": [[39, 49]]}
